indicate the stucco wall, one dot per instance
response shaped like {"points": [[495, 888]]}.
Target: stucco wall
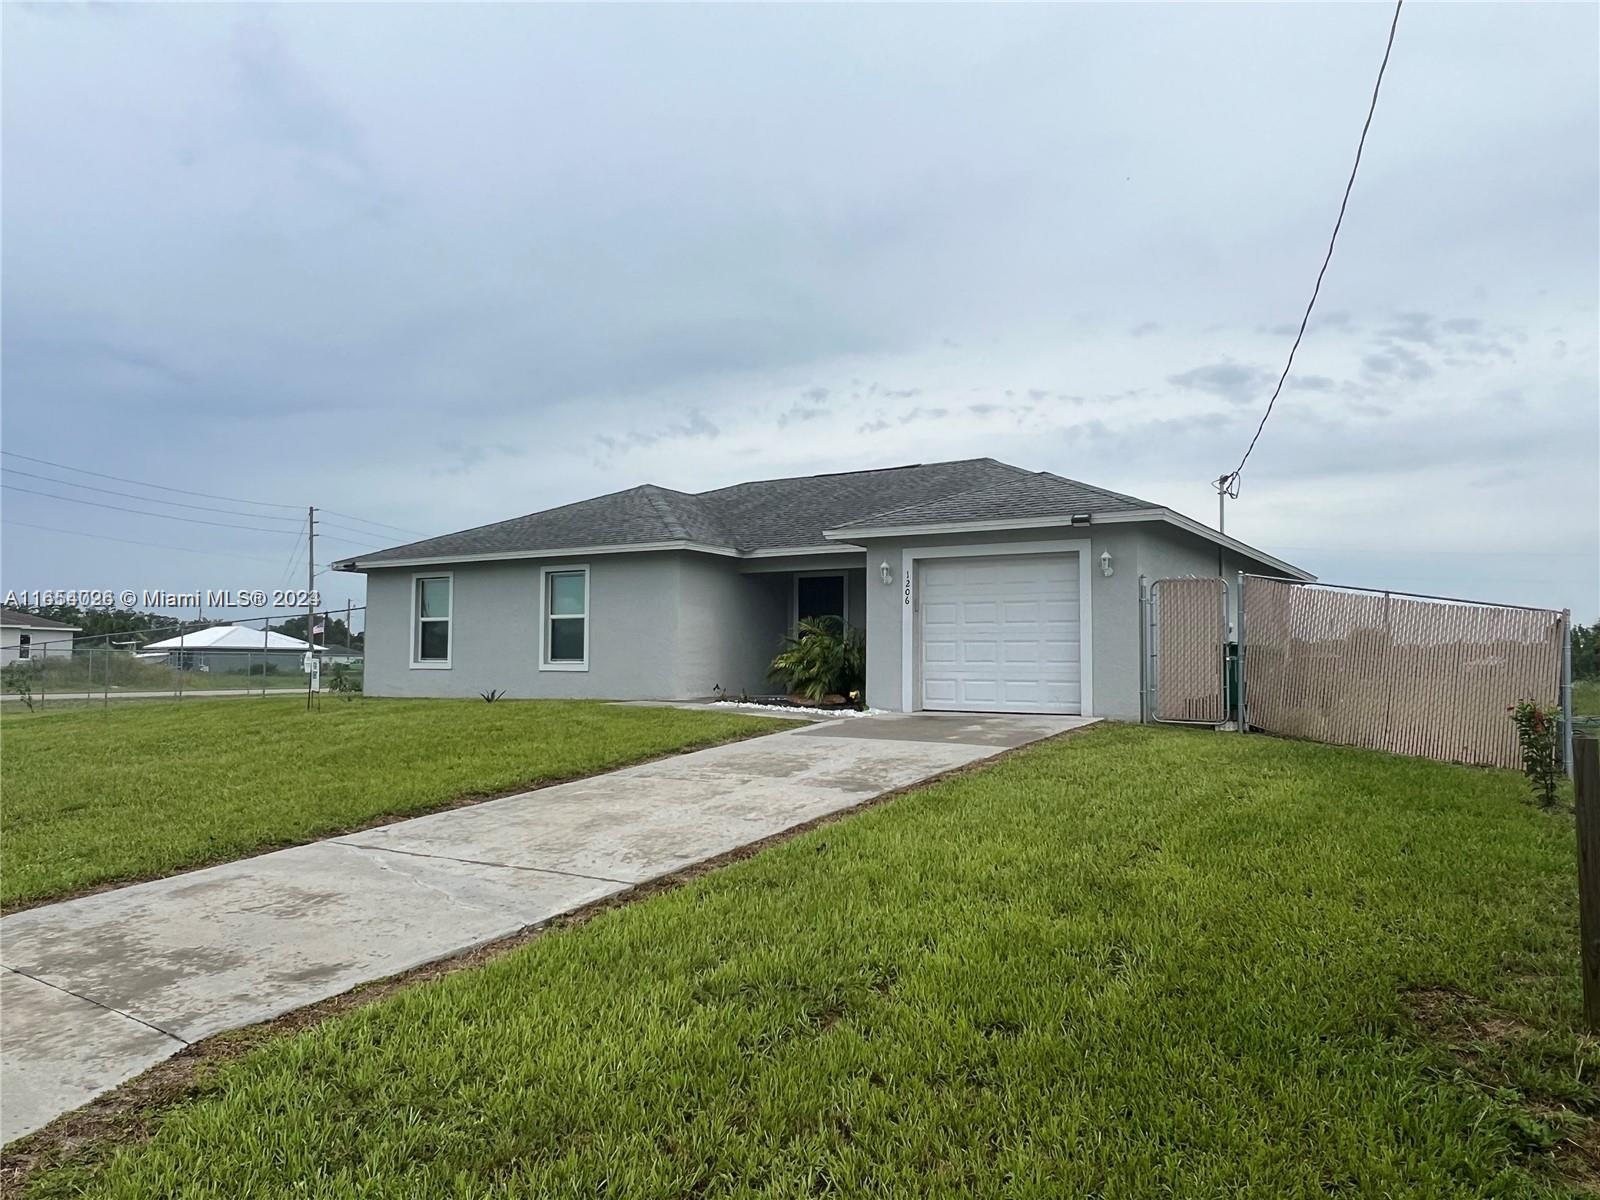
{"points": [[665, 625], [634, 609], [1142, 548], [731, 626]]}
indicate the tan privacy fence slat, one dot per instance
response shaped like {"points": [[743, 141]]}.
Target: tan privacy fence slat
{"points": [[1414, 676], [1190, 638]]}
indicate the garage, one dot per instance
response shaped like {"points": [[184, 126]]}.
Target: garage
{"points": [[1001, 634]]}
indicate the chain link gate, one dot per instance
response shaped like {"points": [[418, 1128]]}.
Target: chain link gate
{"points": [[1185, 656]]}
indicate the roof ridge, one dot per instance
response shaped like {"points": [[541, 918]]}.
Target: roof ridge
{"points": [[1094, 487], [948, 462], [658, 501]]}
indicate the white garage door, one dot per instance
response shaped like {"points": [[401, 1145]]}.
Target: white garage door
{"points": [[1001, 634]]}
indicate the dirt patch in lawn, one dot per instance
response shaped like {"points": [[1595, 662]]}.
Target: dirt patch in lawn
{"points": [[131, 1112], [1483, 1039], [1459, 1019]]}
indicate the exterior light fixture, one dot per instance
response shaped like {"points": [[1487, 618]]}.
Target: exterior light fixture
{"points": [[885, 574], [1105, 563]]}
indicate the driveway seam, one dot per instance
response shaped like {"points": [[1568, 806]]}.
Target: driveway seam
{"points": [[479, 862], [98, 1004]]}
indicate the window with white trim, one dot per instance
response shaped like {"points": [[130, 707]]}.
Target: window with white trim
{"points": [[431, 606], [25, 646], [566, 618]]}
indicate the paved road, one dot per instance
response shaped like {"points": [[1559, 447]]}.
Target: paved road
{"points": [[44, 701], [96, 990]]}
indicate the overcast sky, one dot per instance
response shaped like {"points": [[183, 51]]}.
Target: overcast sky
{"points": [[437, 266]]}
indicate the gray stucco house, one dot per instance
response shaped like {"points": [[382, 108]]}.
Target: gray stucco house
{"points": [[980, 587]]}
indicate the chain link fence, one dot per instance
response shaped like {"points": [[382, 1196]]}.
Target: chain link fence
{"points": [[1409, 674], [194, 659], [1188, 649]]}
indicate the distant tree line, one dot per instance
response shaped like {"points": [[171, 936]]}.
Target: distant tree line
{"points": [[1586, 651], [334, 631], [97, 622]]}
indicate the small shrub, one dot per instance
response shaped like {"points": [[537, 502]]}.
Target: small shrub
{"points": [[344, 682], [823, 658], [492, 695], [18, 680], [1539, 732]]}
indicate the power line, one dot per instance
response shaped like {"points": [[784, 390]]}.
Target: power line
{"points": [[366, 533], [141, 483], [129, 542], [1228, 485], [366, 521], [11, 487], [89, 487]]}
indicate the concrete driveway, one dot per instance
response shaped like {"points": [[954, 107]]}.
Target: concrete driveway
{"points": [[96, 990]]}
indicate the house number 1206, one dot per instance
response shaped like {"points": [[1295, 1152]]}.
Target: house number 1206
{"points": [[908, 587]]}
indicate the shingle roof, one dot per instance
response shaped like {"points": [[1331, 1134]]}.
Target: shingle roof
{"points": [[764, 515], [775, 513], [1037, 495], [13, 617]]}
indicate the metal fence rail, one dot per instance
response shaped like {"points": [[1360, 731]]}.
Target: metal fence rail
{"points": [[1413, 675]]}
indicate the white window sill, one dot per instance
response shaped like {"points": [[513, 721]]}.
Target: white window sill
{"points": [[564, 666], [430, 666]]}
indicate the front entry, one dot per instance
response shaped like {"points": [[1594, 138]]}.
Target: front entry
{"points": [[1001, 634]]}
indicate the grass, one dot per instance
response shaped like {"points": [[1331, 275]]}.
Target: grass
{"points": [[1586, 698], [1138, 962], [98, 795]]}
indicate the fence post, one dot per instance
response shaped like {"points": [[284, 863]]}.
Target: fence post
{"points": [[1566, 690], [1238, 660], [1586, 803], [1144, 652]]}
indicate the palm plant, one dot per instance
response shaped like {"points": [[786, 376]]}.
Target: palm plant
{"points": [[822, 658]]}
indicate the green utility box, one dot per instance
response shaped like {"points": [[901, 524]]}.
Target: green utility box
{"points": [[1231, 683]]}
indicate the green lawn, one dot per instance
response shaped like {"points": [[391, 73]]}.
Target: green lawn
{"points": [[1586, 698], [102, 794], [1135, 963]]}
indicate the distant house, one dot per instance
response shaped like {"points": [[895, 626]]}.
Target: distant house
{"points": [[25, 636], [229, 649], [340, 654]]}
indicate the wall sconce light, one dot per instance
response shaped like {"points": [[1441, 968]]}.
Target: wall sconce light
{"points": [[885, 573], [1105, 563]]}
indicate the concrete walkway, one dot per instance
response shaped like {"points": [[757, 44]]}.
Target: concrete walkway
{"points": [[96, 990]]}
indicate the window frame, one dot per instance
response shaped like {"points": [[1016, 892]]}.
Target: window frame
{"points": [[545, 617], [25, 647], [419, 663], [844, 595]]}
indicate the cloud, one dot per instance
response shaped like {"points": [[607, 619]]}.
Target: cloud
{"points": [[1235, 383], [1396, 364]]}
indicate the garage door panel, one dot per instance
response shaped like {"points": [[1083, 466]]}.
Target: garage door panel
{"points": [[1060, 652], [1001, 634]]}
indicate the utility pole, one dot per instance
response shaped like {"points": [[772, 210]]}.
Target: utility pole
{"points": [[311, 600], [1222, 500]]}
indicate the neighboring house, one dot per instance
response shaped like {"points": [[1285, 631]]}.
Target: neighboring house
{"points": [[229, 648], [25, 636], [980, 587], [349, 655]]}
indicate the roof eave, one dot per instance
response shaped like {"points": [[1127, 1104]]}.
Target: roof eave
{"points": [[1077, 521], [441, 560]]}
